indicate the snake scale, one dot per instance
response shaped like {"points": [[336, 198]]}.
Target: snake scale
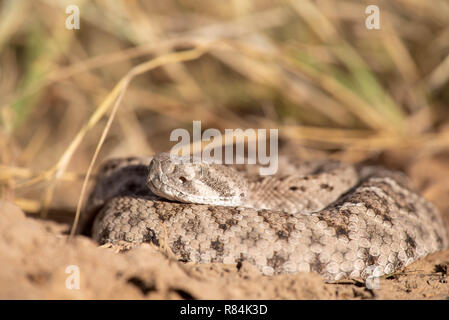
{"points": [[336, 219]]}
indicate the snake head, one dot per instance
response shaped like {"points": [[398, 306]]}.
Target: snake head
{"points": [[179, 179]]}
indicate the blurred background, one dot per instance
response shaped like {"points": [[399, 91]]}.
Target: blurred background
{"points": [[308, 68]]}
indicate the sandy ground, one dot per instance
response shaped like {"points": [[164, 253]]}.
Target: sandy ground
{"points": [[38, 262]]}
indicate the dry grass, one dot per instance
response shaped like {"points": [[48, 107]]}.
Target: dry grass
{"points": [[309, 68]]}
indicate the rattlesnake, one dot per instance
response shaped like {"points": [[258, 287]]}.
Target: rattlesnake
{"points": [[332, 218]]}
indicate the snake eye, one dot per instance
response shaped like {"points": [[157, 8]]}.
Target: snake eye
{"points": [[182, 179]]}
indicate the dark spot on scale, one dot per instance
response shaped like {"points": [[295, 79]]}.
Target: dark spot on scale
{"points": [[150, 237], [294, 188], [345, 212], [326, 186], [399, 264], [223, 226], [179, 248], [371, 260], [411, 246], [317, 265], [409, 240], [218, 246], [104, 236], [339, 230], [276, 261], [282, 235], [231, 222], [117, 214], [410, 252], [386, 217], [439, 240]]}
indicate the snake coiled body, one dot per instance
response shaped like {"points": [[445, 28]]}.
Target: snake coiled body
{"points": [[335, 219]]}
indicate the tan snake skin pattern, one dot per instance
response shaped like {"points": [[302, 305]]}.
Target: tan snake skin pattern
{"points": [[332, 218]]}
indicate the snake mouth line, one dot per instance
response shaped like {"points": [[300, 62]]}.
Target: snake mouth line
{"points": [[195, 198], [178, 195]]}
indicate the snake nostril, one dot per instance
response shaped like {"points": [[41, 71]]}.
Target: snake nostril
{"points": [[182, 179]]}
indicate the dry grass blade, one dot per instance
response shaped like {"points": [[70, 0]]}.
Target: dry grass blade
{"points": [[440, 75]]}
